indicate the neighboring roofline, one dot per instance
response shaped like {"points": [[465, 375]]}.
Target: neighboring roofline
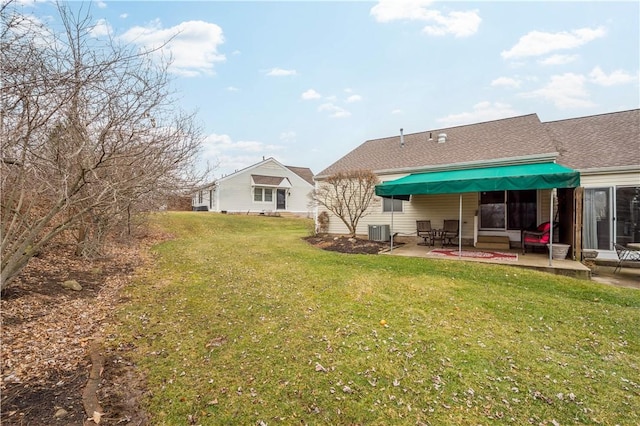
{"points": [[253, 166], [609, 170], [525, 159], [590, 116]]}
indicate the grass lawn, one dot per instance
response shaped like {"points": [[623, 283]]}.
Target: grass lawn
{"points": [[241, 321]]}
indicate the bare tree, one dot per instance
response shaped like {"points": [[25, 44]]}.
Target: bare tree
{"points": [[348, 195], [89, 134]]}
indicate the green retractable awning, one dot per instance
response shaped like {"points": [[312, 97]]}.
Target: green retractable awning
{"points": [[515, 177]]}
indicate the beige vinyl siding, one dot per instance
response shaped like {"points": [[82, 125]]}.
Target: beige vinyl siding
{"points": [[436, 208], [610, 179]]}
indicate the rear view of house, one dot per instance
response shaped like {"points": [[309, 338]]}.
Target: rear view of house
{"points": [[268, 187], [501, 177]]}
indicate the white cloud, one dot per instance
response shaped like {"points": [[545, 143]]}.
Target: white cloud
{"points": [[29, 2], [334, 110], [353, 98], [396, 111], [483, 111], [217, 144], [192, 45], [597, 76], [232, 156], [101, 28], [100, 4], [279, 72], [235, 155], [124, 15], [310, 94], [558, 59], [288, 136], [538, 43], [35, 29], [232, 89], [506, 82], [393, 10], [565, 91], [458, 23]]}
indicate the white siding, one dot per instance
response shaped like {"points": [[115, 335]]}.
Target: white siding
{"points": [[236, 191]]}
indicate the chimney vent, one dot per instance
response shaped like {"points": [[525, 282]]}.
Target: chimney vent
{"points": [[401, 139], [430, 136], [442, 137]]}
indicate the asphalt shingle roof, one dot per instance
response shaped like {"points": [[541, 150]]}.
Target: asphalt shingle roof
{"points": [[607, 140], [304, 172], [598, 141], [267, 180], [506, 138]]}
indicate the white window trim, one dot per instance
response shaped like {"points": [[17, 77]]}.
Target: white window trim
{"points": [[262, 196], [393, 201]]}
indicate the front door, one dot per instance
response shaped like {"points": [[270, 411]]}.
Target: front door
{"points": [[281, 199]]}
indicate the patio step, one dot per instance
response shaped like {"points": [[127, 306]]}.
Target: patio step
{"points": [[493, 242]]}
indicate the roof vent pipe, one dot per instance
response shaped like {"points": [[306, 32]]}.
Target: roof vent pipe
{"points": [[430, 136], [442, 137], [401, 139]]}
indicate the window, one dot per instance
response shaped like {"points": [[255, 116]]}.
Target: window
{"points": [[388, 203], [522, 209], [508, 209], [263, 195], [200, 197], [492, 210]]}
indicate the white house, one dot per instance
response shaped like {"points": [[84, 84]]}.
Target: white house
{"points": [[268, 187]]}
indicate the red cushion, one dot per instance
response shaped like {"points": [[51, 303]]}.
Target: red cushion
{"points": [[541, 240], [544, 227]]}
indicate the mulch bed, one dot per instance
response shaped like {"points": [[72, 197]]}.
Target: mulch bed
{"points": [[348, 245], [47, 332]]}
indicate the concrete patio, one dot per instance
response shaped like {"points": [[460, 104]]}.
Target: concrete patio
{"points": [[538, 261]]}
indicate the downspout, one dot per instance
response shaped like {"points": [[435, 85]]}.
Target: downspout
{"points": [[460, 230], [551, 228]]}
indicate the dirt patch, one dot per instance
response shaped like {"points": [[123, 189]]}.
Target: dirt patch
{"points": [[47, 331], [348, 245]]}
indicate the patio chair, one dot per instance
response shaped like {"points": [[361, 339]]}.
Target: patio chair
{"points": [[625, 254], [424, 231], [450, 230], [538, 237]]}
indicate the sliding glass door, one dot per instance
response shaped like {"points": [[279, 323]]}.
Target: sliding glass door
{"points": [[597, 218], [627, 215]]}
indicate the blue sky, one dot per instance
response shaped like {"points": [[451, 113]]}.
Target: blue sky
{"points": [[306, 82]]}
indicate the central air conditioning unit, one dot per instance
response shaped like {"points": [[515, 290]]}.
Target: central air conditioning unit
{"points": [[379, 232]]}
